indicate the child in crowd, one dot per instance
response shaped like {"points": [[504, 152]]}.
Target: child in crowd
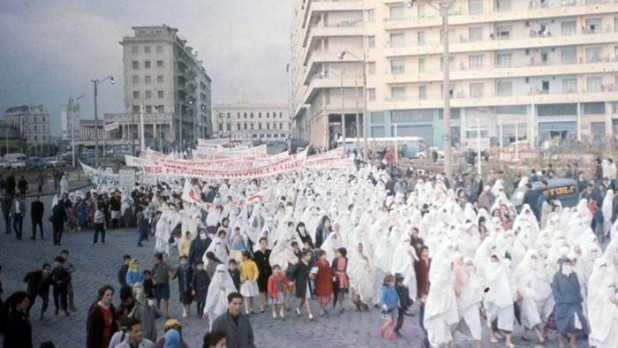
{"points": [[404, 300], [249, 274], [389, 300], [234, 273], [278, 287], [200, 284]]}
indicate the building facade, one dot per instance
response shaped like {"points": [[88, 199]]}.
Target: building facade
{"points": [[164, 80], [70, 120], [268, 122], [32, 122], [534, 70]]}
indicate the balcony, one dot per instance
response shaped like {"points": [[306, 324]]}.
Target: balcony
{"points": [[489, 72], [524, 12], [522, 42], [318, 57], [463, 100], [316, 6], [328, 82], [351, 28]]}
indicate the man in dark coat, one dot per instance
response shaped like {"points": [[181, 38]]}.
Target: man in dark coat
{"points": [[7, 202], [10, 184], [531, 197], [22, 185], [18, 331], [38, 286], [59, 216], [235, 324], [37, 209], [60, 278]]}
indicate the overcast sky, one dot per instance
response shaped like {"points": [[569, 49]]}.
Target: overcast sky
{"points": [[50, 50]]}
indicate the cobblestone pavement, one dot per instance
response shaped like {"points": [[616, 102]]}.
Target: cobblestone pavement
{"points": [[97, 265]]}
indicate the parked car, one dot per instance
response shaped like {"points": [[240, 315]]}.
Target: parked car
{"points": [[52, 162], [4, 164], [16, 164], [35, 162]]}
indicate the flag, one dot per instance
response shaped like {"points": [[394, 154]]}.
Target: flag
{"points": [[190, 196]]}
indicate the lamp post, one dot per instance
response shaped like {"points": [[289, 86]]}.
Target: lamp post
{"points": [[365, 117], [444, 6], [96, 83]]}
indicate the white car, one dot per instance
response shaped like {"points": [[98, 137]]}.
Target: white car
{"points": [[15, 164], [4, 164]]}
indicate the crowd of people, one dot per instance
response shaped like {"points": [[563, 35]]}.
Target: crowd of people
{"points": [[458, 251]]}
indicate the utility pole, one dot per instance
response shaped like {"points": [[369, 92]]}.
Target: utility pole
{"points": [[96, 83], [342, 113]]}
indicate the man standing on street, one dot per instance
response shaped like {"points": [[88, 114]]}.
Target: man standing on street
{"points": [[38, 283], [22, 185], [18, 209], [37, 209], [7, 203], [59, 216], [235, 324], [161, 275], [60, 280], [68, 265]]}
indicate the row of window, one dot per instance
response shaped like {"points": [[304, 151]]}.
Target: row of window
{"points": [[147, 49], [148, 94], [135, 79], [251, 115], [567, 55], [504, 88], [146, 64], [251, 126], [263, 135]]}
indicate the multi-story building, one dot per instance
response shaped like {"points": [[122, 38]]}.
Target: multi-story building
{"points": [[163, 75], [32, 122], [268, 122], [70, 120], [539, 68]]}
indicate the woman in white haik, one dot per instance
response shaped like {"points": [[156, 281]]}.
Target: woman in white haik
{"points": [[163, 232], [220, 286], [361, 277], [535, 295], [441, 306], [469, 293], [603, 315], [499, 299], [403, 263]]}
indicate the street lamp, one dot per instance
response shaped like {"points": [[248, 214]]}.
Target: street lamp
{"points": [[443, 7], [96, 83], [365, 117]]}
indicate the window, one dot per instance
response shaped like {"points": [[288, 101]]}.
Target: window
{"points": [[159, 49], [260, 114], [161, 108], [135, 50], [280, 125], [421, 10], [259, 126], [370, 15], [371, 41], [503, 5], [422, 92], [397, 40], [569, 27], [147, 79], [421, 65], [147, 64], [237, 126], [420, 36], [544, 87], [371, 94], [135, 79], [398, 93], [594, 54], [615, 24], [398, 66], [593, 25], [135, 65], [244, 115], [159, 63], [135, 95], [594, 84], [136, 109], [569, 85], [148, 109], [160, 79], [160, 94], [503, 32], [475, 34], [475, 6], [569, 55], [148, 94], [476, 62], [503, 60], [268, 126], [476, 90], [146, 49], [504, 88], [268, 115], [371, 68], [251, 126], [396, 12], [451, 61]]}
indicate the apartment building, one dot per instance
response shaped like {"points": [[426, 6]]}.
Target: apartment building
{"points": [[244, 120], [164, 79], [31, 121], [537, 69]]}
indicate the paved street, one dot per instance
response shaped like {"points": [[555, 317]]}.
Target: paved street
{"points": [[97, 266]]}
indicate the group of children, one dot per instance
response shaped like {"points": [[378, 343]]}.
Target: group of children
{"points": [[395, 301]]}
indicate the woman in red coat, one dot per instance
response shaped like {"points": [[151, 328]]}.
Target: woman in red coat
{"points": [[323, 281]]}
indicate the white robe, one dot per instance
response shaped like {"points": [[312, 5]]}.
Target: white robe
{"points": [[220, 287]]}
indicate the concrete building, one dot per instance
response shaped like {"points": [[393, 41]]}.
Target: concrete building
{"points": [[70, 120], [163, 75], [32, 122], [541, 68], [268, 122]]}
